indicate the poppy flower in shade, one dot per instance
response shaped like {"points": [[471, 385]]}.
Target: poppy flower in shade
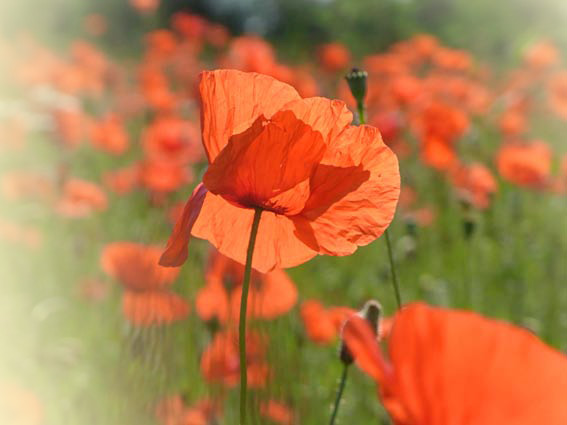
{"points": [[80, 198], [277, 412], [475, 184], [334, 57], [271, 294], [220, 361], [456, 367], [526, 165], [145, 300], [172, 139], [109, 135], [323, 325], [557, 94], [336, 187]]}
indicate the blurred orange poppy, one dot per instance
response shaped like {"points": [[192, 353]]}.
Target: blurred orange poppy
{"points": [[449, 367], [145, 301], [525, 164], [109, 135], [475, 184], [271, 294], [220, 361], [334, 57], [277, 412], [172, 139], [557, 93], [336, 187], [323, 325], [80, 198]]}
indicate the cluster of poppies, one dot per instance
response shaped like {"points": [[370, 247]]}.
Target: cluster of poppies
{"points": [[279, 176]]}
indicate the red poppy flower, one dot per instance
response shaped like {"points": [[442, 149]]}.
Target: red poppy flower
{"points": [[220, 361], [163, 176], [277, 412], [173, 411], [525, 164], [557, 92], [475, 184], [80, 198], [145, 301], [136, 266], [109, 135], [449, 367], [148, 308], [334, 57], [145, 6], [172, 139], [336, 185], [271, 294], [323, 325]]}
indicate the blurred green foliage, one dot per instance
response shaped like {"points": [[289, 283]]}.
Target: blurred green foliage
{"points": [[490, 29]]}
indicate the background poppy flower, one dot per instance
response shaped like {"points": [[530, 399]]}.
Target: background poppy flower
{"points": [[80, 198], [336, 187], [456, 367], [271, 294], [526, 165], [220, 361]]}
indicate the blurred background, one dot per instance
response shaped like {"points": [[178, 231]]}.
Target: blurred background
{"points": [[72, 352]]}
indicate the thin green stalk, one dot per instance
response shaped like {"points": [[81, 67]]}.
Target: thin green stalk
{"points": [[340, 390], [243, 309], [361, 114], [393, 270]]}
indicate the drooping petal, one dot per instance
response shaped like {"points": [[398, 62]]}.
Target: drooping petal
{"points": [[176, 250], [354, 198], [227, 227], [232, 100], [265, 165]]}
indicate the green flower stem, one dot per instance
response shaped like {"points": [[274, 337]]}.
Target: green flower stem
{"points": [[339, 394], [393, 270], [243, 309]]}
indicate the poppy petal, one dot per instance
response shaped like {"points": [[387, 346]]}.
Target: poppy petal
{"points": [[353, 200], [459, 367], [176, 250], [227, 227], [232, 100], [363, 346], [262, 165], [328, 117]]}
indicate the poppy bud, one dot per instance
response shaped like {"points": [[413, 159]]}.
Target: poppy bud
{"points": [[356, 80], [372, 313]]}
